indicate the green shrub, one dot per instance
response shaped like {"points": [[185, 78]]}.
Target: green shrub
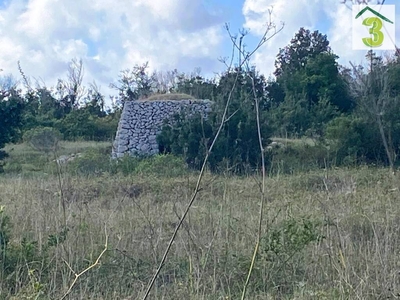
{"points": [[299, 158], [93, 161], [43, 139], [354, 140], [126, 165], [96, 161], [237, 147], [283, 251]]}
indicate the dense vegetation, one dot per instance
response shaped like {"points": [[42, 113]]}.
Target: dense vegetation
{"points": [[327, 233], [352, 113]]}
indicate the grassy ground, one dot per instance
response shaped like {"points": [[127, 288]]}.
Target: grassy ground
{"points": [[326, 235]]}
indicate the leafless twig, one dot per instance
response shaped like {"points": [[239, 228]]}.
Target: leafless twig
{"points": [[77, 275], [246, 58]]}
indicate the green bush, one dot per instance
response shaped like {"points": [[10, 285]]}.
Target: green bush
{"points": [[96, 161], [158, 165], [283, 251], [299, 157], [43, 139], [93, 161], [354, 140], [237, 147], [81, 124]]}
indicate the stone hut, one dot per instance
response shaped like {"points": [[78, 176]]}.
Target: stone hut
{"points": [[142, 120]]}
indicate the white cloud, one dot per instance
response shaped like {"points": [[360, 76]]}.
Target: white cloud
{"points": [[336, 17], [44, 35], [340, 35], [294, 14]]}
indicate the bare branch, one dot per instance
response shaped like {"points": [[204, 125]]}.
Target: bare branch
{"points": [[25, 79], [200, 177], [97, 262]]}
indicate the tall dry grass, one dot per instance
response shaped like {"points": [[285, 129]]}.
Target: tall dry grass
{"points": [[328, 236]]}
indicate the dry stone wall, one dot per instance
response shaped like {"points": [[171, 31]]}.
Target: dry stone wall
{"points": [[141, 121]]}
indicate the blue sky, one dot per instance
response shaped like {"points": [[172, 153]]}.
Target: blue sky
{"points": [[45, 35]]}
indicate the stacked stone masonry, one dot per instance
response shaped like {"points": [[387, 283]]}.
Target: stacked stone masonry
{"points": [[141, 121]]}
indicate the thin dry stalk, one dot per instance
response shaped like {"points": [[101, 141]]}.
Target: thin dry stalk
{"points": [[60, 186], [262, 199], [77, 275], [246, 58], [197, 189]]}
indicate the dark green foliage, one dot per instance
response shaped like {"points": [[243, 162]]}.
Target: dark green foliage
{"points": [[275, 93], [322, 80], [78, 124], [355, 140], [282, 250], [42, 109], [309, 90], [93, 162], [303, 46], [189, 137], [196, 86], [11, 109], [5, 229], [237, 147], [359, 137], [81, 124]]}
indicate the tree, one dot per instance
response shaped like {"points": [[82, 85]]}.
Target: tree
{"points": [[195, 85], [323, 80], [303, 46], [94, 101], [376, 93], [309, 89], [11, 107], [237, 147], [136, 83], [275, 93], [71, 91]]}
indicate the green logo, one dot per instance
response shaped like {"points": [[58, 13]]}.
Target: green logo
{"points": [[376, 25]]}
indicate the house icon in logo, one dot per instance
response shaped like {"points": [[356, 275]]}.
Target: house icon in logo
{"points": [[374, 12], [375, 25]]}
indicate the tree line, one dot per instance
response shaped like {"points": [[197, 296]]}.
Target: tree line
{"points": [[353, 111]]}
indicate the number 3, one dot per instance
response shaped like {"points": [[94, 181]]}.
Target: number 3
{"points": [[376, 24]]}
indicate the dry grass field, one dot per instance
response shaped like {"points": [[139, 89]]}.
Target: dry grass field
{"points": [[327, 234]]}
